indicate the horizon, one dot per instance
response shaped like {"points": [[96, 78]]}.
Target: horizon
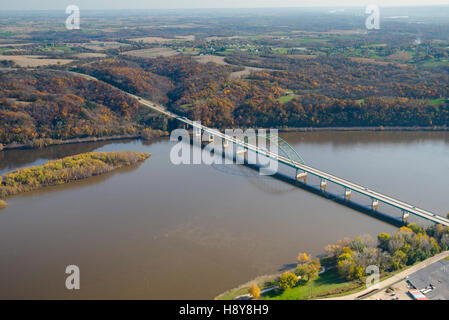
{"points": [[112, 5]]}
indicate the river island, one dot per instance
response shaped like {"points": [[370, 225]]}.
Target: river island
{"points": [[65, 170]]}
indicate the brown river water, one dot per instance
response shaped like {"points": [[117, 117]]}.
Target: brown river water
{"points": [[160, 231]]}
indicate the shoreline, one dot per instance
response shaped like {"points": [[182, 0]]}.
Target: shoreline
{"points": [[371, 128], [51, 142], [358, 293]]}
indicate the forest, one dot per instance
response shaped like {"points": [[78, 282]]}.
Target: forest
{"points": [[319, 92], [39, 106]]}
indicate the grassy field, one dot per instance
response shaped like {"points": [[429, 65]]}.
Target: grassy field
{"points": [[285, 99], [56, 49], [30, 61], [327, 284], [5, 49], [262, 282], [433, 63], [151, 53], [435, 102], [281, 50], [438, 101]]}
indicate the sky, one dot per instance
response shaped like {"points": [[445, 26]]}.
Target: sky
{"points": [[180, 4]]}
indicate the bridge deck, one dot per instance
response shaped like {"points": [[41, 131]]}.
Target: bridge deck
{"points": [[299, 166]]}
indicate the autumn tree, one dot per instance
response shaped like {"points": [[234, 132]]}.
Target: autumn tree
{"points": [[302, 258], [308, 271], [254, 291], [335, 250], [288, 281], [415, 228], [383, 240]]}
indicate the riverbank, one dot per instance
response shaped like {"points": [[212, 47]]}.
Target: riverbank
{"points": [[328, 284], [43, 143], [398, 255], [375, 129], [65, 170]]}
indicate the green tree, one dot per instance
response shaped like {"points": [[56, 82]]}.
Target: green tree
{"points": [[415, 228], [346, 268], [444, 242], [288, 281], [308, 271], [383, 240], [399, 260]]}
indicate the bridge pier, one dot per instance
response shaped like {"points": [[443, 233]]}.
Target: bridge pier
{"points": [[348, 193], [405, 216], [196, 132], [301, 176], [323, 185], [242, 152], [375, 204], [225, 144]]}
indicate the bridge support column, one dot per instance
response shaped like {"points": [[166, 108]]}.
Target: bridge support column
{"points": [[323, 185], [196, 132], [375, 204], [301, 176], [348, 193], [405, 216], [225, 144], [242, 152]]}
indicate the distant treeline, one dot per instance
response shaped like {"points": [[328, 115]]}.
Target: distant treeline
{"points": [[314, 92]]}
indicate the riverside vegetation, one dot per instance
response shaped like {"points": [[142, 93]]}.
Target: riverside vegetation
{"points": [[346, 262], [64, 170]]}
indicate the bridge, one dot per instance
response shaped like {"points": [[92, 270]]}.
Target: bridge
{"points": [[302, 171]]}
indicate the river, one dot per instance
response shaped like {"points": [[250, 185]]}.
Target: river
{"points": [[160, 231]]}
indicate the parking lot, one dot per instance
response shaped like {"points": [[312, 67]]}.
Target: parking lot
{"points": [[436, 274]]}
